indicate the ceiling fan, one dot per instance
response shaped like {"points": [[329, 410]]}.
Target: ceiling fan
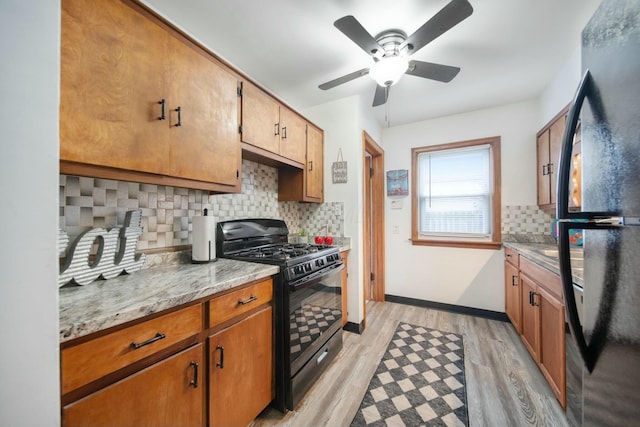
{"points": [[391, 48]]}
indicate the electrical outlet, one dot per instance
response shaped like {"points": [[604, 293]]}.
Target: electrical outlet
{"points": [[396, 229]]}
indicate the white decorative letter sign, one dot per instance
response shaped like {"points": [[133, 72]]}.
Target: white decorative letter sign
{"points": [[116, 252]]}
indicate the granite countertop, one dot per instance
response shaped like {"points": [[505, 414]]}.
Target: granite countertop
{"points": [[545, 255], [106, 303]]}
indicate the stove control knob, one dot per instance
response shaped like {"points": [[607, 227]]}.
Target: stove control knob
{"points": [[307, 267]]}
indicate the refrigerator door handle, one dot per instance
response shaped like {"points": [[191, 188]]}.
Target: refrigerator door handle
{"points": [[566, 152], [589, 351], [567, 288]]}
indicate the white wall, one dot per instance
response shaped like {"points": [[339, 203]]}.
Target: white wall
{"points": [[29, 363], [343, 122], [466, 277], [561, 89]]}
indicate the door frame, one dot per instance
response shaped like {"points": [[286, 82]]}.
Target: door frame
{"points": [[373, 219]]}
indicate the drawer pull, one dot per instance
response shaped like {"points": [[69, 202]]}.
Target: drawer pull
{"points": [[194, 382], [220, 364], [252, 298], [158, 337]]}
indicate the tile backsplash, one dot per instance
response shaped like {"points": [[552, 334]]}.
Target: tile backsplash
{"points": [[527, 224], [167, 212]]}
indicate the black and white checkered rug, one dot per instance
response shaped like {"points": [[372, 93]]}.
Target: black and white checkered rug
{"points": [[419, 382]]}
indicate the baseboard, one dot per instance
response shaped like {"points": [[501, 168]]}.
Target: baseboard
{"points": [[460, 309], [356, 328]]}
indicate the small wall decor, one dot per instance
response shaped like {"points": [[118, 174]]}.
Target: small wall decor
{"points": [[398, 182], [116, 252], [339, 170]]}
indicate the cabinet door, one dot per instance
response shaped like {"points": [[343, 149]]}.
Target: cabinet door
{"points": [[530, 322], [555, 145], [544, 188], [241, 370], [513, 300], [164, 394], [293, 130], [205, 146], [111, 81], [345, 280], [260, 119], [552, 345], [315, 164]]}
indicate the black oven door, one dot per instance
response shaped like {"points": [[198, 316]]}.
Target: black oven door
{"points": [[315, 313]]}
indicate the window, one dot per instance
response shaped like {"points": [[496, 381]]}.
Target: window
{"points": [[456, 194]]}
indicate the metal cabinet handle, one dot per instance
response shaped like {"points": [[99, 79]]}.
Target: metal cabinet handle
{"points": [[310, 165], [158, 337], [544, 170], [248, 300], [162, 111], [194, 382], [284, 132], [549, 168], [220, 364], [179, 111], [277, 129], [513, 281]]}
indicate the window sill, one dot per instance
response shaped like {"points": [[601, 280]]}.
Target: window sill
{"points": [[457, 244]]}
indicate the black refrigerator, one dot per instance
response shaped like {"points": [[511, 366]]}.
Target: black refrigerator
{"points": [[604, 317]]}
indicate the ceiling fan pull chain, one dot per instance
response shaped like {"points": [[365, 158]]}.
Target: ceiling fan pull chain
{"points": [[386, 108]]}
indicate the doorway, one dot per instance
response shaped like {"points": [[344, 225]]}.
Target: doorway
{"points": [[373, 221]]}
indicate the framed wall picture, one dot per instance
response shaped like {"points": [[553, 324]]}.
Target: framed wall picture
{"points": [[398, 182]]}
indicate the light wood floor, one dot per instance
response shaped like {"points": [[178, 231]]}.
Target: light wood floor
{"points": [[504, 386]]}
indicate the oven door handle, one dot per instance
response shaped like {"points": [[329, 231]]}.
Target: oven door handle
{"points": [[315, 277]]}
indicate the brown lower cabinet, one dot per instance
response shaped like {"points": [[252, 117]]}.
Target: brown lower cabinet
{"points": [[214, 356], [177, 399], [241, 361], [541, 322], [344, 256]]}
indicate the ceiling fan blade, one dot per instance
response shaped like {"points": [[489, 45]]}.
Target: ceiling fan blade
{"points": [[448, 17], [344, 79], [429, 70], [381, 95], [356, 32]]}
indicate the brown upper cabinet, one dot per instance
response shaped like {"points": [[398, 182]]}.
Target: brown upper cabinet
{"points": [[271, 129], [549, 144], [141, 102], [306, 185]]}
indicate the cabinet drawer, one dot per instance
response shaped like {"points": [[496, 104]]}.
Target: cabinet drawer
{"points": [[238, 302], [511, 256], [91, 360], [543, 277]]}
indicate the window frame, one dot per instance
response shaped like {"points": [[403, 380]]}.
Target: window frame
{"points": [[495, 241]]}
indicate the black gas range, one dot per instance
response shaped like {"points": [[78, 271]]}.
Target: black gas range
{"points": [[307, 294]]}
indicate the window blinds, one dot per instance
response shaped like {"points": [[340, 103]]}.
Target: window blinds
{"points": [[455, 192]]}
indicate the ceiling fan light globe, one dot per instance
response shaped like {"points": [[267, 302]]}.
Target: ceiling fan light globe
{"points": [[388, 71]]}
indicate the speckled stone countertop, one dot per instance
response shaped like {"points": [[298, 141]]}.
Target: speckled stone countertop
{"points": [[106, 303], [538, 253]]}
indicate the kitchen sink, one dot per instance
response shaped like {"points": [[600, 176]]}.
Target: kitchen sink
{"points": [[576, 256]]}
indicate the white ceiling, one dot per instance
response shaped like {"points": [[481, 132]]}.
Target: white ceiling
{"points": [[508, 50]]}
